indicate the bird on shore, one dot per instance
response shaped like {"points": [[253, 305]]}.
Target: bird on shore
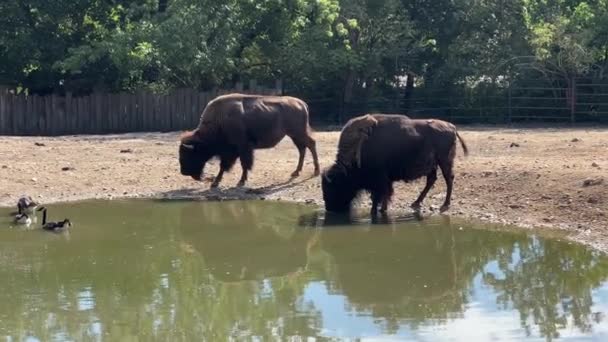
{"points": [[54, 226]]}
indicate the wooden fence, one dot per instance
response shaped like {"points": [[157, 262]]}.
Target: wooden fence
{"points": [[587, 101], [105, 113]]}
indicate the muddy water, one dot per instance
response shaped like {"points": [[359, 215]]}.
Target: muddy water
{"points": [[182, 271]]}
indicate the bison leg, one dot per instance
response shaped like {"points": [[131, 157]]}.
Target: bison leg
{"points": [[382, 200], [218, 178], [302, 153], [448, 175], [243, 179], [246, 156], [381, 195], [302, 143], [431, 178], [384, 207], [312, 146], [387, 197], [374, 209], [226, 162]]}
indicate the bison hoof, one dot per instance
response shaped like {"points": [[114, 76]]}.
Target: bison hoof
{"points": [[317, 172], [444, 208], [240, 184], [214, 185], [416, 206], [295, 174]]}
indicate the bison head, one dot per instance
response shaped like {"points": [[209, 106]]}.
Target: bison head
{"points": [[339, 189], [194, 152]]}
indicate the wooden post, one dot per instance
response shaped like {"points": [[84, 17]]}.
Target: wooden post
{"points": [[67, 116], [29, 115], [145, 109], [278, 85], [12, 113], [122, 112], [184, 108], [573, 100], [50, 117], [109, 113], [3, 97], [162, 112], [509, 103], [38, 127], [193, 104], [158, 112], [77, 113]]}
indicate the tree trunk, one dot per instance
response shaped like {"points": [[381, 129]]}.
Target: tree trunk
{"points": [[348, 87], [409, 89]]}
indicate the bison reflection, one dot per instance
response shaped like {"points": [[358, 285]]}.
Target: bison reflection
{"points": [[414, 272], [247, 240], [428, 270]]}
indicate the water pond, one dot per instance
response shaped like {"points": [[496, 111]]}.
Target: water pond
{"points": [[216, 271]]}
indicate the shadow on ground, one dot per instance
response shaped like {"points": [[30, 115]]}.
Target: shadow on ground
{"points": [[233, 193]]}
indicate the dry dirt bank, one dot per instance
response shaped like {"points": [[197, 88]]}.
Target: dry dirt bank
{"points": [[529, 177]]}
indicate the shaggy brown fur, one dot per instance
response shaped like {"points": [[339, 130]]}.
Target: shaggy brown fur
{"points": [[233, 126], [353, 135]]}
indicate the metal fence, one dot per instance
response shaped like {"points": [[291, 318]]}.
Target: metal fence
{"points": [[584, 101]]}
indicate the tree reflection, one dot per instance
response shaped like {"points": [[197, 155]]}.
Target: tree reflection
{"points": [[550, 283], [121, 278], [425, 270], [239, 270]]}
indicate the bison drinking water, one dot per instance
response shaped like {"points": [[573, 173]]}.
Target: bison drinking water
{"points": [[233, 125], [376, 150]]}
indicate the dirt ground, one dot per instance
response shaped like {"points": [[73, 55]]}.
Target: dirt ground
{"points": [[528, 177]]}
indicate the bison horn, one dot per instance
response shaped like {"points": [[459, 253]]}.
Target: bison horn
{"points": [[326, 178], [190, 147]]}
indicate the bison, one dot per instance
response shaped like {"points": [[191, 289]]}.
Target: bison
{"points": [[376, 150], [233, 125]]}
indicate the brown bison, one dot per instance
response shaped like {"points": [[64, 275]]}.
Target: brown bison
{"points": [[233, 125], [394, 148]]}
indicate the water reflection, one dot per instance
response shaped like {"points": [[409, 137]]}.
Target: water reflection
{"points": [[550, 285], [322, 219], [244, 241], [238, 270], [426, 272], [407, 275]]}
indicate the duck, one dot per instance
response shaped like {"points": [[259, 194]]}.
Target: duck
{"points": [[54, 226], [23, 219], [26, 205]]}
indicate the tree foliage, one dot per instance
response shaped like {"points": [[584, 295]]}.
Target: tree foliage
{"points": [[319, 48]]}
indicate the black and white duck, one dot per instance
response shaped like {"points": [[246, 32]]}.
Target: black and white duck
{"points": [[54, 226]]}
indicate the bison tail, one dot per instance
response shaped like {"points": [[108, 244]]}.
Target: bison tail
{"points": [[463, 144], [309, 128]]}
